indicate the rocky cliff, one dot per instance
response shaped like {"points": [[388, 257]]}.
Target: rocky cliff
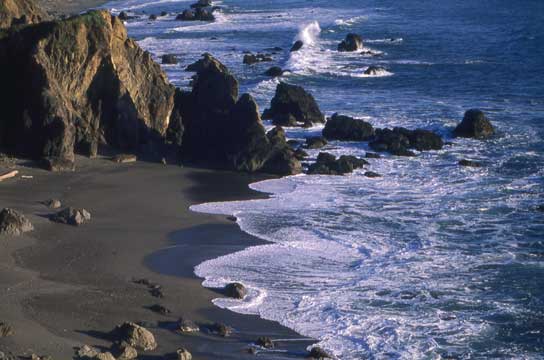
{"points": [[14, 12], [72, 85]]}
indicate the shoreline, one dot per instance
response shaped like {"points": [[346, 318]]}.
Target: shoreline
{"points": [[69, 286]]}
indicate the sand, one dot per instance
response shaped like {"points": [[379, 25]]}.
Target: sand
{"points": [[65, 286]]}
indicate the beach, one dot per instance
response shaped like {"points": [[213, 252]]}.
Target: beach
{"points": [[67, 286]]}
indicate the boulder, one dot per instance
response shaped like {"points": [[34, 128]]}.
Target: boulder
{"points": [[183, 354], [87, 352], [159, 309], [53, 203], [469, 163], [60, 164], [235, 290], [250, 59], [374, 70], [282, 161], [13, 223], [124, 351], [352, 42], [265, 342], [72, 216], [20, 12], [135, 335], [170, 59], [318, 353], [474, 125], [327, 164], [186, 325], [315, 142], [124, 16], [164, 13], [274, 71], [398, 140], [297, 46], [71, 85], [425, 140], [292, 100], [340, 127], [6, 330]]}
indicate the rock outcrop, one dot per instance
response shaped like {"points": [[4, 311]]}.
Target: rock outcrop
{"points": [[14, 223], [220, 130], [398, 141], [340, 127], [352, 42], [474, 125], [20, 12], [293, 102], [72, 85]]}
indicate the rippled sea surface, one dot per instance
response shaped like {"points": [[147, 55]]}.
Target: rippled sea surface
{"points": [[431, 260]]}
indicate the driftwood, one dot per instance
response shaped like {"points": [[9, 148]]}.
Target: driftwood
{"points": [[8, 175]]}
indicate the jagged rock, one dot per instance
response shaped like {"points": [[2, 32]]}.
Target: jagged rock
{"points": [[398, 140], [169, 59], [6, 330], [327, 164], [183, 354], [13, 223], [371, 155], [470, 163], [186, 325], [72, 216], [274, 71], [474, 125], [340, 127], [124, 158], [292, 100], [60, 164], [87, 352], [222, 131], [135, 335], [219, 329], [265, 342], [374, 70], [297, 46], [235, 290], [250, 59], [318, 353], [315, 142], [71, 85], [352, 42], [124, 351], [53, 203], [19, 12], [159, 309], [371, 174]]}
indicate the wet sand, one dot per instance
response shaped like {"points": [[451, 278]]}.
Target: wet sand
{"points": [[65, 286]]}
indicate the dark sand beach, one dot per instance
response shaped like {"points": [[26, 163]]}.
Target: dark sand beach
{"points": [[67, 286]]}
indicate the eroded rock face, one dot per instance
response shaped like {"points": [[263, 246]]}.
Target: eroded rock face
{"points": [[18, 12], [474, 125], [340, 127], [293, 101], [14, 223], [71, 85]]}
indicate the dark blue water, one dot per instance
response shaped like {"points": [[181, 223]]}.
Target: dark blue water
{"points": [[431, 260]]}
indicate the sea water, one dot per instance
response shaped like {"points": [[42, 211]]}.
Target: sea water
{"points": [[431, 260]]}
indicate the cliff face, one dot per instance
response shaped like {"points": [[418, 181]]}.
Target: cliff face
{"points": [[72, 85], [20, 12]]}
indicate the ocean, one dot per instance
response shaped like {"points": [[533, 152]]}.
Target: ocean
{"points": [[432, 260]]}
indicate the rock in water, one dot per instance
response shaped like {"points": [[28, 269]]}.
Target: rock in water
{"points": [[315, 142], [235, 290], [18, 12], [318, 353], [250, 59], [374, 70], [71, 85], [346, 128], [220, 130], [72, 216], [265, 342], [136, 336], [469, 163], [292, 100], [474, 125], [352, 42], [169, 59], [274, 71], [183, 354], [398, 140], [327, 164], [13, 223], [297, 46]]}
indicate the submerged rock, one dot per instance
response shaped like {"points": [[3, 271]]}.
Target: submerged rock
{"points": [[72, 85], [293, 101], [135, 335], [371, 174], [20, 12], [318, 353], [346, 128], [72, 216], [13, 223], [170, 59], [235, 290], [297, 46], [250, 59], [265, 342], [374, 70], [474, 125], [274, 71], [469, 163], [352, 42]]}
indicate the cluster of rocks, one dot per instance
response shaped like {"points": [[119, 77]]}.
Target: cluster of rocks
{"points": [[199, 11], [328, 164]]}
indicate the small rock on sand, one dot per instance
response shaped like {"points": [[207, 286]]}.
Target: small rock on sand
{"points": [[186, 325], [72, 216], [6, 330], [13, 223], [124, 158], [159, 309], [218, 329], [136, 336], [183, 354], [53, 203]]}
